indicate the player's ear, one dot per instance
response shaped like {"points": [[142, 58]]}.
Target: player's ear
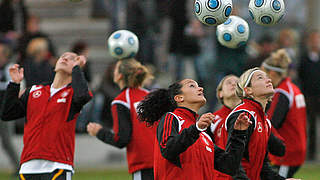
{"points": [[179, 98], [248, 91], [82, 60]]}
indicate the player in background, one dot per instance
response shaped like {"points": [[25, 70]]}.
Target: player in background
{"points": [[226, 95], [6, 129], [255, 90], [183, 149], [51, 111], [127, 131], [287, 113]]}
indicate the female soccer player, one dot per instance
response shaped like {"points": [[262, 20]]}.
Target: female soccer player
{"points": [[127, 131], [287, 113], [226, 94], [51, 111], [256, 90], [183, 150]]}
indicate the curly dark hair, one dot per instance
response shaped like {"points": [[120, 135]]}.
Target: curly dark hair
{"points": [[157, 103]]}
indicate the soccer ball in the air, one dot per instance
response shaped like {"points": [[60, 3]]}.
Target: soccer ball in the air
{"points": [[123, 44], [266, 12], [233, 33], [212, 12]]}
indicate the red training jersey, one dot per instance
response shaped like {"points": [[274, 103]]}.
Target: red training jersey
{"points": [[293, 123], [49, 129], [194, 162], [220, 137], [259, 132], [140, 146]]}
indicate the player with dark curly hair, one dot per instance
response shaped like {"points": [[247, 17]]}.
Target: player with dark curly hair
{"points": [[183, 147]]}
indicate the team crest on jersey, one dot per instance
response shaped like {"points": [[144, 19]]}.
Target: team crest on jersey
{"points": [[259, 127], [37, 94]]}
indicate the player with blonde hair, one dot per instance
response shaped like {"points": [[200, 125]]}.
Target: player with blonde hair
{"points": [[287, 113]]}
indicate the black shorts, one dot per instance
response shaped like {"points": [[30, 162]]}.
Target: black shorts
{"points": [[58, 174]]}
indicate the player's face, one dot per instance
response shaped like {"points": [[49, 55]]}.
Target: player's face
{"points": [[191, 92], [229, 87], [261, 85], [314, 41], [65, 62]]}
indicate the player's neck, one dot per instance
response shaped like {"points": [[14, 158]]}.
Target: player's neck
{"points": [[231, 102], [277, 81], [121, 84], [263, 100], [61, 79], [194, 106]]}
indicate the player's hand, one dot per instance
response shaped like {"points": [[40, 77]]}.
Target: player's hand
{"points": [[242, 122], [16, 73], [93, 128], [80, 60], [205, 120]]}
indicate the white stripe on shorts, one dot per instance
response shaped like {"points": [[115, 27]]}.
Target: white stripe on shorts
{"points": [[283, 171], [137, 175], [68, 176]]}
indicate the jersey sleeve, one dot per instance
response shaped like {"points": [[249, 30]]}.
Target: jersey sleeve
{"points": [[278, 109], [276, 146], [80, 87], [81, 94], [171, 142], [240, 172], [14, 107], [229, 161], [120, 135], [233, 118], [267, 173]]}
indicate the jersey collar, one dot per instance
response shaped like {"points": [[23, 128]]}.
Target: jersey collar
{"points": [[254, 103], [187, 112]]}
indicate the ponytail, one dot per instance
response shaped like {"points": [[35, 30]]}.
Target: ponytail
{"points": [[157, 103], [134, 73]]}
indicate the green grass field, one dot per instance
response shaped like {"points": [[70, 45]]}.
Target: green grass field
{"points": [[307, 172]]}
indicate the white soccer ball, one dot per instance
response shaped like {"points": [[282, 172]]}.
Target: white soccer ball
{"points": [[233, 33], [212, 12], [266, 12], [123, 44]]}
